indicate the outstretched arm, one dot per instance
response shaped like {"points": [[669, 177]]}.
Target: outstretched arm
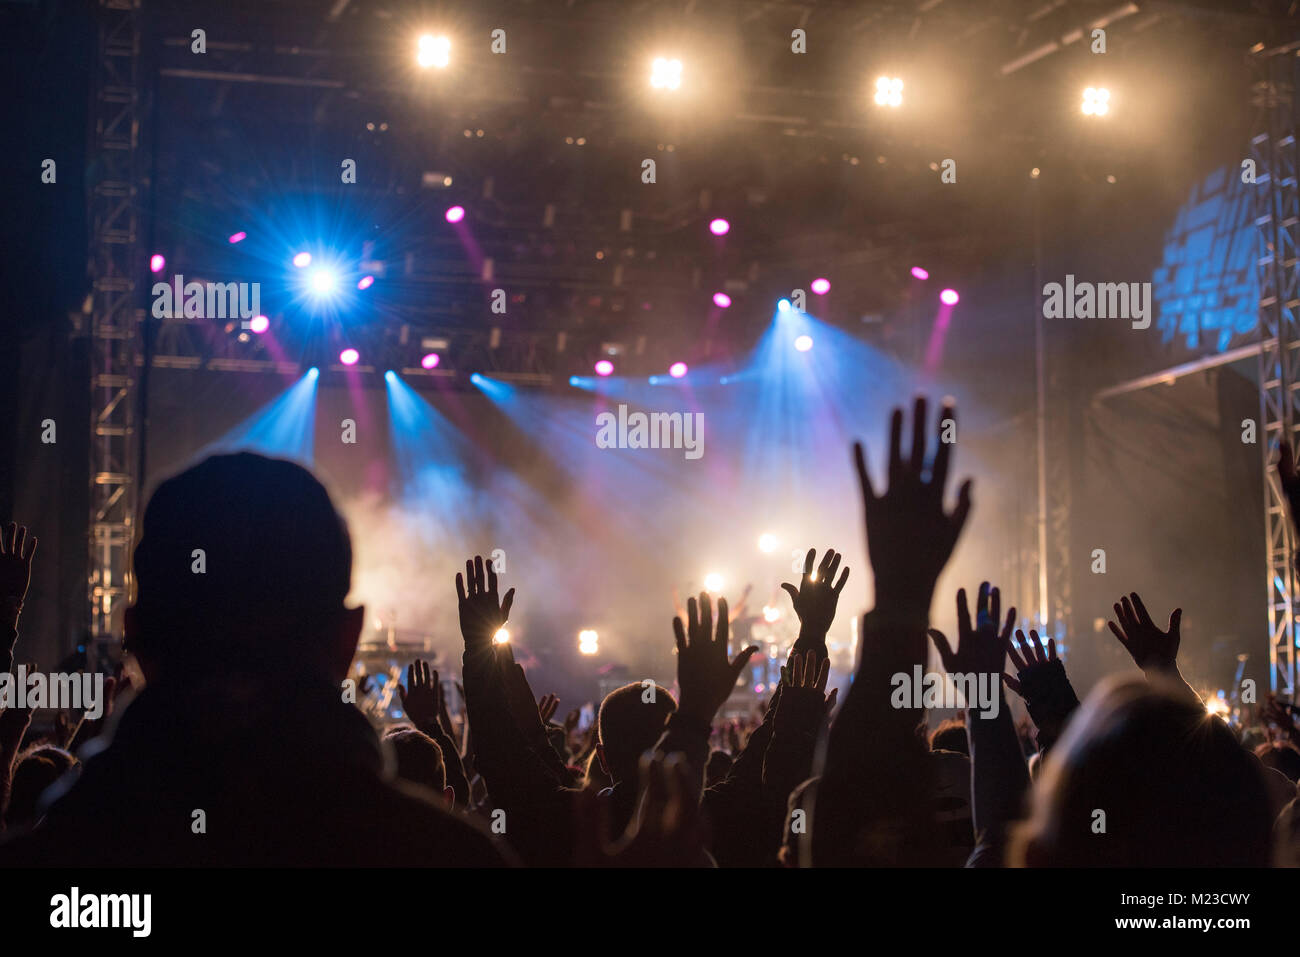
{"points": [[870, 806], [1152, 650]]}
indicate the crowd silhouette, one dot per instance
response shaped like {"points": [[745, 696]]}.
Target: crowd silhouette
{"points": [[241, 722]]}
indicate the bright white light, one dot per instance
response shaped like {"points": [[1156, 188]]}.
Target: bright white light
{"points": [[665, 74], [588, 642], [713, 583], [767, 543], [771, 614], [889, 91], [1096, 101], [501, 637], [323, 281], [803, 343], [433, 51]]}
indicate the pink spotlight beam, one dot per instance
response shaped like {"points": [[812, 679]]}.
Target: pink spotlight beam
{"points": [[677, 370], [919, 273], [821, 286], [604, 367], [238, 237], [349, 357], [157, 263], [455, 214], [721, 300], [719, 227], [949, 297]]}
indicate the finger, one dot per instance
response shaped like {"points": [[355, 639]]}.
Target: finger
{"points": [[963, 613], [1008, 626], [864, 478], [1129, 617], [460, 587], [742, 659], [823, 675], [831, 698], [679, 635], [1141, 609], [824, 568], [469, 576], [1040, 656], [918, 435], [832, 568], [410, 675], [1115, 630], [1175, 619], [1011, 682], [506, 604], [995, 606], [895, 447], [1051, 649], [706, 618], [839, 587], [724, 625], [808, 561], [479, 576], [982, 605], [941, 642], [962, 511], [692, 617], [794, 592], [20, 539], [939, 471], [401, 696], [1016, 660], [31, 549], [491, 579]]}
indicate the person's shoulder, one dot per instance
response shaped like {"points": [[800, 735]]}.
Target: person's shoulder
{"points": [[430, 835]]}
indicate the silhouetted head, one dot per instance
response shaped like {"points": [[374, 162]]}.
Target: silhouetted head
{"points": [[1283, 758], [419, 759], [629, 723], [242, 566], [1145, 778], [35, 771], [950, 735]]}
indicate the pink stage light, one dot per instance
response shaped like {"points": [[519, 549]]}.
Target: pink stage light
{"points": [[455, 214], [821, 286], [349, 357], [302, 260], [919, 273], [719, 227], [366, 282], [721, 300], [949, 297], [430, 360], [157, 262], [259, 324], [238, 237], [677, 370], [604, 367]]}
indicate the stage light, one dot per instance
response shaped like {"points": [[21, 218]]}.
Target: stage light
{"points": [[949, 297], [721, 300], [501, 637], [719, 227], [429, 361], [803, 343], [783, 305], [259, 324], [588, 642], [604, 367], [767, 543], [771, 614], [157, 262], [713, 583], [302, 260], [323, 281], [433, 51], [919, 273], [677, 370], [889, 91], [238, 237], [665, 74], [365, 282], [455, 214], [821, 286], [390, 375], [349, 357], [475, 378], [313, 372], [1096, 101]]}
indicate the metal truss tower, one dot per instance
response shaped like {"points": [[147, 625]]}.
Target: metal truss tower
{"points": [[115, 320], [1277, 216]]}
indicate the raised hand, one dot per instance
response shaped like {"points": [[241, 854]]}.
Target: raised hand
{"points": [[981, 649], [1042, 682], [482, 613], [704, 675], [546, 706], [801, 699], [16, 551], [910, 536], [1151, 648], [818, 592], [668, 831], [421, 696]]}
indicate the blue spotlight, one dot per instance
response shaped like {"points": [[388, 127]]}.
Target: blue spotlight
{"points": [[323, 281], [313, 372], [475, 378], [783, 305], [284, 427], [573, 380], [390, 375]]}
